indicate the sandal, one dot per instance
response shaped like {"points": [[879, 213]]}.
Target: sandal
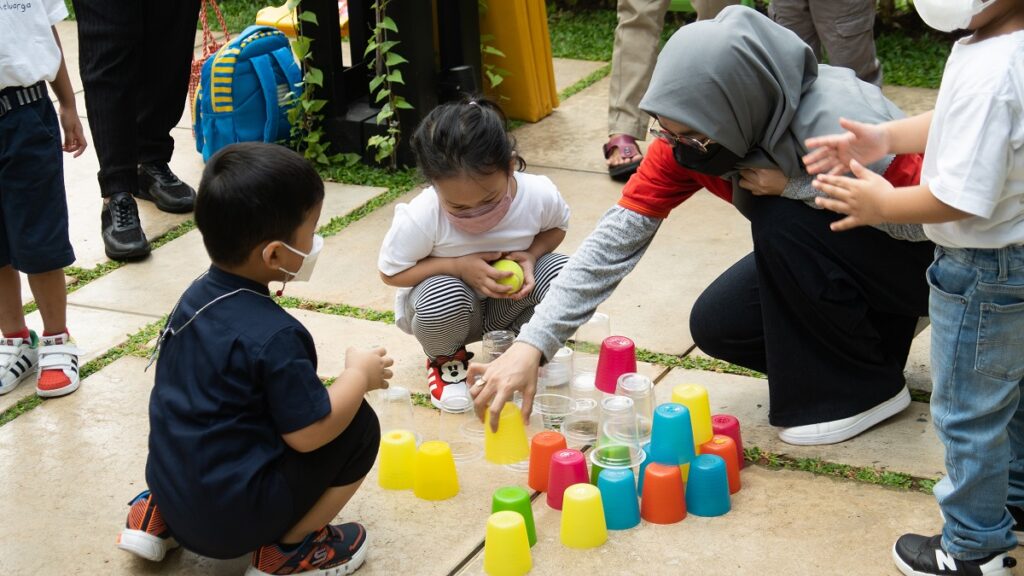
{"points": [[628, 150]]}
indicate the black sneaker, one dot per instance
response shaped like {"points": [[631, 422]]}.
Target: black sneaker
{"points": [[159, 185], [920, 555], [123, 238]]}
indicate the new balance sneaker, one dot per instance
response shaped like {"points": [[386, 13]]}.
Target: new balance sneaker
{"points": [[18, 357], [446, 376], [58, 366], [161, 186], [334, 550], [917, 555], [845, 428], [145, 533]]}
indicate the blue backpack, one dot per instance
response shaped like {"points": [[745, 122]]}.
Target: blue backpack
{"points": [[245, 91]]}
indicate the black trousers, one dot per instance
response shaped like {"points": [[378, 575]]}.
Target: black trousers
{"points": [[135, 58], [828, 316]]}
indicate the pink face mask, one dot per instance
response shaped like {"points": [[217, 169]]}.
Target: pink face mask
{"points": [[482, 218]]}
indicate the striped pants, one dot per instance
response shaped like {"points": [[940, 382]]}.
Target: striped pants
{"points": [[447, 314]]}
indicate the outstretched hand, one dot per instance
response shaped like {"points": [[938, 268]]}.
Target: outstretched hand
{"points": [[514, 371], [833, 154], [861, 198]]}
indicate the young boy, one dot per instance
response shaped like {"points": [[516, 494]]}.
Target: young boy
{"points": [[33, 210], [247, 448], [972, 201]]}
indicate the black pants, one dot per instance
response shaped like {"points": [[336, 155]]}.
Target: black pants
{"points": [[135, 57], [828, 316]]}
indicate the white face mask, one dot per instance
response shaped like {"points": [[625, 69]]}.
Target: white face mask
{"points": [[950, 15], [308, 260]]}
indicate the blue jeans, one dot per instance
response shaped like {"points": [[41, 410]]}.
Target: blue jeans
{"points": [[977, 357]]}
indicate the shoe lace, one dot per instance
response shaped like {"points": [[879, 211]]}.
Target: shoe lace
{"points": [[124, 213]]}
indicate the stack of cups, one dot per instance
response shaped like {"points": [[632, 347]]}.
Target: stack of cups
{"points": [[618, 438], [640, 389]]}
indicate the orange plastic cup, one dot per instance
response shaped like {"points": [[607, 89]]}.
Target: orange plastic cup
{"points": [[722, 445], [664, 499], [543, 445]]}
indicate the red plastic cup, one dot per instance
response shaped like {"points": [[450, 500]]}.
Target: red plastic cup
{"points": [[722, 445], [728, 425], [543, 446], [618, 357], [568, 467], [664, 497]]}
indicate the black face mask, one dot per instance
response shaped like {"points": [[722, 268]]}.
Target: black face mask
{"points": [[718, 160]]}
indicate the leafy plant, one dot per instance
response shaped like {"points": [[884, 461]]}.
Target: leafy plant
{"points": [[495, 74], [382, 85]]}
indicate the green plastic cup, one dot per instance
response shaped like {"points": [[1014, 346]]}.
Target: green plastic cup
{"points": [[515, 499]]}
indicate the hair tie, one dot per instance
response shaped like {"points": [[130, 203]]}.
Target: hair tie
{"points": [[473, 103]]}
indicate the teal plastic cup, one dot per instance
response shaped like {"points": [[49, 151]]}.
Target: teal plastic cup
{"points": [[707, 491]]}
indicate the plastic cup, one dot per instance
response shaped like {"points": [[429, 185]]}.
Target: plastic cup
{"points": [[589, 336], [553, 409], [595, 473], [583, 522], [554, 379], [397, 460], [396, 411], [618, 494], [664, 500], [641, 389], [582, 385], [495, 343], [643, 468], [506, 546], [707, 492], [672, 436], [618, 440], [580, 427], [508, 445], [435, 477], [618, 357], [723, 446], [564, 356], [515, 499], [728, 425], [455, 412], [542, 447], [567, 467], [695, 398]]}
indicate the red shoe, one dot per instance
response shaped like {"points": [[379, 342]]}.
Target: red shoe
{"points": [[446, 376], [334, 550], [145, 533]]}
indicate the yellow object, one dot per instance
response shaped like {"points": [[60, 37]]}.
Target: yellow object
{"points": [[583, 517], [397, 460], [435, 477], [516, 279], [285, 20], [509, 444], [519, 29], [506, 547], [695, 398]]}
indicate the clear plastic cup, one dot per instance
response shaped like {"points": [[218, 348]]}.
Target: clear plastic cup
{"points": [[396, 411], [590, 335], [554, 378], [495, 343], [618, 439], [553, 409], [640, 389], [564, 356], [456, 411], [580, 427]]}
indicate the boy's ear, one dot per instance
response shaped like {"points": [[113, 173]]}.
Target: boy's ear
{"points": [[271, 254]]}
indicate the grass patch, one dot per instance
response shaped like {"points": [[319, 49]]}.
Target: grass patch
{"points": [[912, 61], [237, 14], [423, 400], [585, 82], [920, 396], [397, 183], [819, 467], [336, 309]]}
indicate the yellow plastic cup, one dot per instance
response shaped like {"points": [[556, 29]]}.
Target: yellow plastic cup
{"points": [[506, 547], [695, 398], [509, 444], [583, 523], [397, 460], [435, 477]]}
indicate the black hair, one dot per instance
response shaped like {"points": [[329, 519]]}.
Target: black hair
{"points": [[469, 137], [252, 193]]}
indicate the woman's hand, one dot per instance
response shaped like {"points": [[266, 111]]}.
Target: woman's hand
{"points": [[476, 270], [514, 371], [862, 198], [526, 261], [832, 154], [763, 181]]}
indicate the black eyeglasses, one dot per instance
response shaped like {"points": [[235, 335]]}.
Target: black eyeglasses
{"points": [[699, 145]]}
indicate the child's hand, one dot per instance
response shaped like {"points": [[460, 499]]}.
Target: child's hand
{"points": [[862, 198], [476, 270], [74, 133], [832, 154], [526, 262], [374, 363]]}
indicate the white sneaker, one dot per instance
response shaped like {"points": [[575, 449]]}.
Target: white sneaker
{"points": [[18, 359], [846, 428], [58, 366]]}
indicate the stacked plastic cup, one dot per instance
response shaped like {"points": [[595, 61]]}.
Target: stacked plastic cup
{"points": [[580, 427], [507, 546], [618, 439], [618, 494], [640, 389], [495, 343], [583, 522], [723, 446], [707, 492], [695, 398], [582, 387], [396, 411], [672, 436], [568, 467], [618, 357], [663, 500], [728, 425], [509, 444], [543, 446], [455, 413], [397, 460], [553, 409], [435, 477], [517, 500], [589, 336]]}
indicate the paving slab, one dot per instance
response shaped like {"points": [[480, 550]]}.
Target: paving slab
{"points": [[569, 71], [905, 443], [918, 370], [781, 523], [911, 100]]}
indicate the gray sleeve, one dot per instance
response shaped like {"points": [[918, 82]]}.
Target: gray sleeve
{"points": [[606, 256]]}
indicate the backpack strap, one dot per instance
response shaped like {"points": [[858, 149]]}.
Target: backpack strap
{"points": [[265, 74], [291, 70]]}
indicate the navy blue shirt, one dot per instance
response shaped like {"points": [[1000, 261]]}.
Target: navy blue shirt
{"points": [[228, 385]]}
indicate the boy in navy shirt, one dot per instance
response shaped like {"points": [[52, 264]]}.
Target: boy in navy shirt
{"points": [[247, 448]]}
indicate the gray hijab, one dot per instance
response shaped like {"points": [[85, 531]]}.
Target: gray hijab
{"points": [[755, 87]]}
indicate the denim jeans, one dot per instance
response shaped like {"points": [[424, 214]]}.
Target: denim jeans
{"points": [[977, 357]]}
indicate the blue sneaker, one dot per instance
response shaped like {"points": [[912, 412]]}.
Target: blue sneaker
{"points": [[334, 550], [145, 533]]}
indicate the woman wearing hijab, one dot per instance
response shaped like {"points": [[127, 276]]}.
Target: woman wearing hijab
{"points": [[828, 317]]}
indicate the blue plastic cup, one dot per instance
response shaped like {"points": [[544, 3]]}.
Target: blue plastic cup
{"points": [[643, 468], [672, 435], [618, 494], [707, 492]]}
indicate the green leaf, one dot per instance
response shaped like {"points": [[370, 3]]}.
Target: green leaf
{"points": [[394, 59], [315, 77], [309, 17], [388, 24], [375, 140], [301, 47], [396, 77], [375, 82], [402, 104], [494, 79], [387, 45], [318, 105], [385, 113], [492, 50], [382, 95], [370, 47]]}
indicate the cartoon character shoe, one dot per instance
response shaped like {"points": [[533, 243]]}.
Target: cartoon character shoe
{"points": [[446, 376]]}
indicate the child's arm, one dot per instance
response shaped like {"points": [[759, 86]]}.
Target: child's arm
{"points": [[866, 143], [543, 243], [365, 370], [473, 269], [74, 134], [870, 199]]}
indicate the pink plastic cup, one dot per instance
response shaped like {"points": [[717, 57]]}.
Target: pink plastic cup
{"points": [[729, 425], [618, 357], [568, 467]]}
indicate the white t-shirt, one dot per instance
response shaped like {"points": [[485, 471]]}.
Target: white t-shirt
{"points": [[974, 159], [421, 229], [28, 50]]}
